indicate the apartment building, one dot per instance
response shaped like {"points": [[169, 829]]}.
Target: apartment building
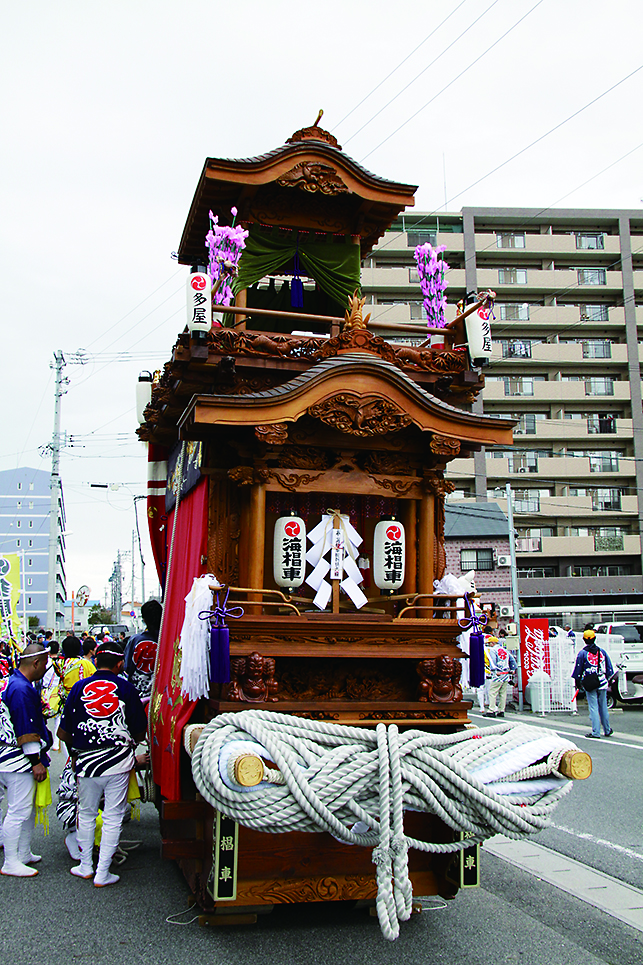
{"points": [[566, 366], [24, 529]]}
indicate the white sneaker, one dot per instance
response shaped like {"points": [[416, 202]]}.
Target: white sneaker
{"points": [[72, 846]]}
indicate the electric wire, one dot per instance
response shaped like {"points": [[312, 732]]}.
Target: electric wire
{"points": [[424, 70], [403, 61]]}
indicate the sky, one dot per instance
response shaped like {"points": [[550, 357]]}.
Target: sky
{"points": [[109, 110]]}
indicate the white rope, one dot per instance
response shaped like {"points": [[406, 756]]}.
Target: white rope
{"points": [[336, 776]]}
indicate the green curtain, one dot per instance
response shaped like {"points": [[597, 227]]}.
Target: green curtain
{"points": [[335, 267]]}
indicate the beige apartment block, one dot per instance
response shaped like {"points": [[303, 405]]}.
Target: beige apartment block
{"points": [[568, 344]]}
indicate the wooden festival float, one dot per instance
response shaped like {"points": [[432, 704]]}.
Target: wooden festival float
{"points": [[296, 415]]}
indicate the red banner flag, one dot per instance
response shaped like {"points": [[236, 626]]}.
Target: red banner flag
{"points": [[534, 648]]}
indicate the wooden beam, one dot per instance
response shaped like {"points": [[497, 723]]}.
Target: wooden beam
{"points": [[426, 544]]}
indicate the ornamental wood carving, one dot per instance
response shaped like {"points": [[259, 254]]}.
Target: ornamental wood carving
{"points": [[274, 435], [306, 457], [353, 318], [292, 890], [444, 445], [399, 487], [252, 679], [224, 532], [313, 176], [292, 481], [314, 133], [304, 679], [394, 463], [367, 416], [242, 475], [439, 680]]}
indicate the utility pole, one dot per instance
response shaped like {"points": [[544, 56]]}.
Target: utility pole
{"points": [[514, 585], [133, 537], [54, 531]]}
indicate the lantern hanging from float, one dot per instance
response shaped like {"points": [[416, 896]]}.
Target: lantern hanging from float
{"points": [[289, 551], [199, 301], [478, 328], [389, 549]]}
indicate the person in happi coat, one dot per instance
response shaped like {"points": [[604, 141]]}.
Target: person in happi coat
{"points": [[24, 741], [140, 652], [102, 723]]}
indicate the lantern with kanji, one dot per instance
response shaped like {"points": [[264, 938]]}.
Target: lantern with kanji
{"points": [[389, 546], [289, 551]]}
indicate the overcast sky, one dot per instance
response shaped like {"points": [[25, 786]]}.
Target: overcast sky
{"points": [[109, 110]]}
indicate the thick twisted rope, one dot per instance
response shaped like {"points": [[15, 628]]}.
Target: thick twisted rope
{"points": [[335, 776]]}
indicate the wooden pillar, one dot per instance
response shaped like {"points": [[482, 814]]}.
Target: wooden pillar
{"points": [[244, 537], [256, 539], [241, 301], [409, 518], [426, 555]]}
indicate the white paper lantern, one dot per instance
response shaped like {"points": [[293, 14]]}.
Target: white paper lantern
{"points": [[199, 302], [479, 336], [389, 548], [289, 551]]}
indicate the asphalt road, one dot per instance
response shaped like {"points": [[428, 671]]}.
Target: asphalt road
{"points": [[512, 918]]}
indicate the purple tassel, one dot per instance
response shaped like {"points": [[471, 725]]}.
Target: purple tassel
{"points": [[219, 655], [476, 659]]}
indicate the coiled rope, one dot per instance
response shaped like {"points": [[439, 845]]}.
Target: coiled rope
{"points": [[337, 776]]}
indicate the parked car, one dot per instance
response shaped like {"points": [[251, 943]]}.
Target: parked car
{"points": [[112, 628]]}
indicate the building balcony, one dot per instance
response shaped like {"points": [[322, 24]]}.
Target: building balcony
{"points": [[543, 281], [578, 546], [585, 430], [546, 245], [403, 280], [574, 507], [581, 586], [553, 390], [403, 241], [532, 350]]}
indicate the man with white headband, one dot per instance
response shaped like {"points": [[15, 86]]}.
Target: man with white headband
{"points": [[24, 741], [102, 723]]}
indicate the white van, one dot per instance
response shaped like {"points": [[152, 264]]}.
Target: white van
{"points": [[630, 651]]}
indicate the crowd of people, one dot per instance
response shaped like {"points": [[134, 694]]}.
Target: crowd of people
{"points": [[93, 692]]}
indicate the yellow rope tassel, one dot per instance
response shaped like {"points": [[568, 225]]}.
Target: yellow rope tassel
{"points": [[42, 802], [134, 796]]}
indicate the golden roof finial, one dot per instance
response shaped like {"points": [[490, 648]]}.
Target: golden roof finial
{"points": [[319, 117]]}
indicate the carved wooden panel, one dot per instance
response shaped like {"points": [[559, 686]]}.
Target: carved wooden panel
{"points": [[223, 531], [313, 176], [360, 416]]}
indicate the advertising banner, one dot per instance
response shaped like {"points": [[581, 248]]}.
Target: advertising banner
{"points": [[534, 647], [10, 622]]}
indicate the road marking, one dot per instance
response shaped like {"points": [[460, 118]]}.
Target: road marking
{"points": [[610, 895], [551, 725], [606, 844]]}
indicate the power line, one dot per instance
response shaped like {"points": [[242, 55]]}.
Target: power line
{"points": [[395, 69], [423, 71], [451, 82]]}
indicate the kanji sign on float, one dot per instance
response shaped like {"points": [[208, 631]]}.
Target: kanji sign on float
{"points": [[289, 551], [534, 647], [199, 302], [388, 554]]}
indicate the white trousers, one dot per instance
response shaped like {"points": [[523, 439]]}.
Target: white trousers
{"points": [[19, 821], [90, 791]]}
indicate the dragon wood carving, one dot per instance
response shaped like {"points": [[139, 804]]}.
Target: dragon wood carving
{"points": [[368, 416], [313, 176]]}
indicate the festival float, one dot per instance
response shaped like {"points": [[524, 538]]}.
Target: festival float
{"points": [[309, 737]]}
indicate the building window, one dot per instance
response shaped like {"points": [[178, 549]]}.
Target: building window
{"points": [[592, 276], [594, 313], [18, 523], [29, 601], [510, 239], [597, 348], [515, 348], [513, 311], [603, 461], [31, 504], [537, 572], [599, 386], [615, 569], [30, 562], [415, 238], [19, 504], [30, 542], [526, 501], [29, 581], [17, 542], [606, 499], [31, 486], [590, 239], [31, 524], [512, 276], [477, 559]]}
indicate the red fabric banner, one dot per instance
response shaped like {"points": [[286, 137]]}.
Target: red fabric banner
{"points": [[156, 482], [169, 710], [534, 647]]}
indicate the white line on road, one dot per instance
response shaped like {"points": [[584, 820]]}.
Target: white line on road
{"points": [[616, 742], [610, 895], [606, 844]]}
